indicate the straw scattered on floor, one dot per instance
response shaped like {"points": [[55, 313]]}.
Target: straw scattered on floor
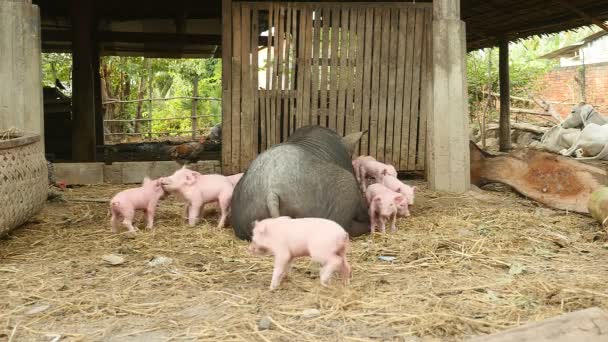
{"points": [[463, 265]]}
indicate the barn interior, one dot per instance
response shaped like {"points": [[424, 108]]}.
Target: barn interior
{"points": [[463, 265], [185, 29]]}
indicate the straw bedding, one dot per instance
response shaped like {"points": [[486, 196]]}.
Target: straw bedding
{"points": [[464, 265]]}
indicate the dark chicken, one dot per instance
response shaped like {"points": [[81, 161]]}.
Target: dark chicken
{"points": [[189, 152]]}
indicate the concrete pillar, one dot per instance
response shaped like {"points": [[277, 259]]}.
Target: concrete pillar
{"points": [[20, 67], [504, 128], [448, 127], [83, 87]]}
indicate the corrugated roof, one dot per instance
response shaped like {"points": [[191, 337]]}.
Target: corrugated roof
{"points": [[567, 50]]}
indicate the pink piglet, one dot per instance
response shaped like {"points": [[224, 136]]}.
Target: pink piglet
{"points": [[125, 203], [376, 170], [396, 185], [197, 190], [383, 205], [286, 238]]}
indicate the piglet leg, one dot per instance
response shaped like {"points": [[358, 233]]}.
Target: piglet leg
{"points": [[363, 176], [193, 213], [115, 223], [280, 265], [129, 224], [393, 227], [128, 216], [150, 217], [186, 210], [383, 224], [224, 202], [345, 271], [372, 218], [329, 268]]}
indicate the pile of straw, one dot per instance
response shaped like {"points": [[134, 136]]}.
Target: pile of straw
{"points": [[463, 265]]}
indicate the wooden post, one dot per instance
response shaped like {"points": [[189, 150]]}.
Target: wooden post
{"points": [[83, 93], [99, 135], [486, 110], [448, 165], [226, 86], [504, 129], [194, 107], [20, 67], [150, 93]]}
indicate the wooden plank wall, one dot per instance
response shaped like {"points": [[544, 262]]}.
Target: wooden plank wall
{"points": [[346, 66]]}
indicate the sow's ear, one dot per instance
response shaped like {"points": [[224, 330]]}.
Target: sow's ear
{"points": [[352, 140]]}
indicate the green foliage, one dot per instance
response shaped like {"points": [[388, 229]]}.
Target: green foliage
{"points": [[56, 66], [524, 65], [127, 76]]}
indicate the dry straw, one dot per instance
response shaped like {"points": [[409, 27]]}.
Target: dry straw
{"points": [[464, 265]]}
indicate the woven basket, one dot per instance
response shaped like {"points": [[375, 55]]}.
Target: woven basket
{"points": [[23, 180]]}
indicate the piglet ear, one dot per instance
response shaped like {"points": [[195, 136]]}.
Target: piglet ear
{"points": [[146, 180], [384, 172], [190, 179]]}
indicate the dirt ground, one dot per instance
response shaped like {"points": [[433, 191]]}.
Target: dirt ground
{"points": [[461, 266]]}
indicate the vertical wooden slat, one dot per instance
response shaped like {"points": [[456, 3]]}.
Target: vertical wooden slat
{"points": [[399, 87], [376, 67], [246, 105], [307, 30], [392, 74], [278, 48], [301, 70], [262, 96], [333, 80], [359, 72], [342, 72], [236, 87], [255, 38], [324, 66], [384, 68], [367, 80], [293, 98], [285, 71], [226, 86], [351, 71], [426, 99], [314, 110], [268, 98], [275, 52], [415, 113], [407, 92]]}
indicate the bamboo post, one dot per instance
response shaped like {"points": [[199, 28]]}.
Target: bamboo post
{"points": [[504, 130], [487, 108], [150, 90], [194, 107]]}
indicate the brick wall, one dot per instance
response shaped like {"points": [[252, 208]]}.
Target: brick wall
{"points": [[564, 85]]}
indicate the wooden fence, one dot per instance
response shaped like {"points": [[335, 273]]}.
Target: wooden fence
{"points": [[148, 121], [346, 66]]}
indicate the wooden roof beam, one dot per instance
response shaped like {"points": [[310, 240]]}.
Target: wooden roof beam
{"points": [[583, 15]]}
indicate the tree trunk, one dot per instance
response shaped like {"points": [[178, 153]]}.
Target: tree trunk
{"points": [[194, 107], [140, 95]]}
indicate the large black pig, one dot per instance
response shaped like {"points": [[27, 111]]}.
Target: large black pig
{"points": [[309, 175]]}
